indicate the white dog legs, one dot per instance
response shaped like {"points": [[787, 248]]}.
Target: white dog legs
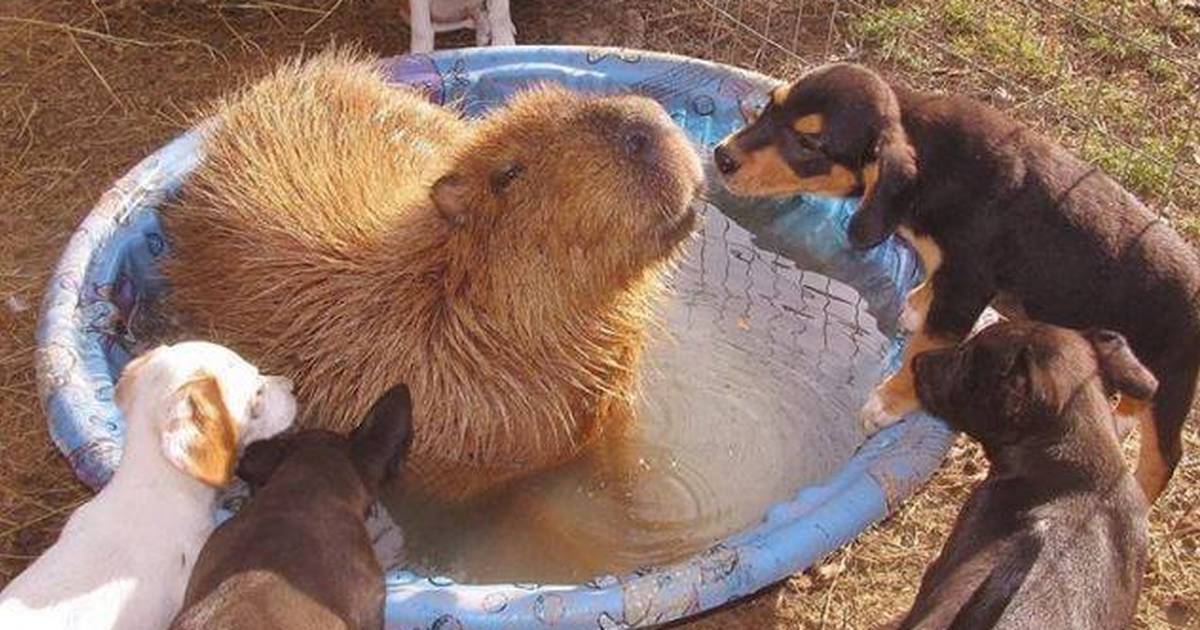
{"points": [[421, 22], [503, 31]]}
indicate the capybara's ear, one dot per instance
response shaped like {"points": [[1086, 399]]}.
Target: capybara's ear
{"points": [[450, 197], [888, 185], [200, 437], [260, 459], [380, 443], [1121, 369]]}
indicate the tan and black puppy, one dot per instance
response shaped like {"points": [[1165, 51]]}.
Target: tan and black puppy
{"points": [[1055, 536], [298, 556], [993, 209]]}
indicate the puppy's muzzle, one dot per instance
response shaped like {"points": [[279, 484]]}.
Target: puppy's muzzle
{"points": [[930, 374]]}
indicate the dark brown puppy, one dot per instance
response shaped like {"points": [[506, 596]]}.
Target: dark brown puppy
{"points": [[993, 210], [1055, 536], [298, 556]]}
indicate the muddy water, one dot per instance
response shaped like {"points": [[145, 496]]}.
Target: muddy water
{"points": [[750, 393]]}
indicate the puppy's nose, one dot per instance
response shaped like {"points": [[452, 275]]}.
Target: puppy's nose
{"points": [[725, 162], [918, 360]]}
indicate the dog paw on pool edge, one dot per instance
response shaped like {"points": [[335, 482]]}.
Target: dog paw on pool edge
{"points": [[874, 417]]}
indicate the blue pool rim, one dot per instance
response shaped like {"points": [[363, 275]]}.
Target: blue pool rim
{"points": [[107, 273]]}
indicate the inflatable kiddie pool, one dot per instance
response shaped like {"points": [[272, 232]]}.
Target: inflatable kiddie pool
{"points": [[107, 275]]}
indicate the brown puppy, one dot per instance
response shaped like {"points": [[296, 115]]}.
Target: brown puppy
{"points": [[298, 556], [352, 235], [993, 210], [1055, 536]]}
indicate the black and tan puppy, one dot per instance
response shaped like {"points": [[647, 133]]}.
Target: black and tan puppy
{"points": [[298, 556], [1055, 536], [993, 209]]}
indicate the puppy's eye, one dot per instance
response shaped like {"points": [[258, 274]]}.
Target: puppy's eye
{"points": [[256, 403], [810, 142], [502, 178]]}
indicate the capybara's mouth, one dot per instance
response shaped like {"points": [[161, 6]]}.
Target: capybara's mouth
{"points": [[681, 225]]}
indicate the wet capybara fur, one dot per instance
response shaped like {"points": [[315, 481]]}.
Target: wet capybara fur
{"points": [[352, 235], [298, 556], [1055, 536]]}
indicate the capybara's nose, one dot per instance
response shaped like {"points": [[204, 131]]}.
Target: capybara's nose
{"points": [[726, 163]]}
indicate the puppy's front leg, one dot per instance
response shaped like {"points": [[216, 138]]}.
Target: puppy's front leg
{"points": [[503, 31], [483, 27], [920, 299], [421, 25], [897, 394], [942, 311]]}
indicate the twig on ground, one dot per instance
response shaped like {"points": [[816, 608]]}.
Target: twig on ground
{"points": [[67, 507], [91, 66], [323, 17], [114, 39]]}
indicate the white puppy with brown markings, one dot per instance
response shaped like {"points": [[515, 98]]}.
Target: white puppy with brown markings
{"points": [[491, 21], [124, 557]]}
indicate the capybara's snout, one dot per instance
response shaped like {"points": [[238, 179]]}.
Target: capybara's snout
{"points": [[643, 132]]}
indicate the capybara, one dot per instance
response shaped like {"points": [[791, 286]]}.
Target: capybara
{"points": [[1055, 536], [298, 556], [353, 235], [997, 213]]}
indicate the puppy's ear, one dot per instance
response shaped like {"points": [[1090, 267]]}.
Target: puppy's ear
{"points": [[1121, 369], [260, 460], [888, 188], [449, 195], [380, 443], [200, 437], [1026, 385]]}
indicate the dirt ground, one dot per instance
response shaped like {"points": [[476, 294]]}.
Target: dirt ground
{"points": [[88, 87]]}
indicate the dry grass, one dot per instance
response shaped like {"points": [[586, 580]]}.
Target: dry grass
{"points": [[87, 88]]}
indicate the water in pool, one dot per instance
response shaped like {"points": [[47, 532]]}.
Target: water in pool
{"points": [[750, 393]]}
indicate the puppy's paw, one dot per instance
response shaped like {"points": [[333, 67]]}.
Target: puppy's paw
{"points": [[875, 416], [911, 318], [504, 36], [421, 44]]}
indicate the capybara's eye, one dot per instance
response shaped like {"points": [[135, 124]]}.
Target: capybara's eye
{"points": [[502, 178], [635, 143]]}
